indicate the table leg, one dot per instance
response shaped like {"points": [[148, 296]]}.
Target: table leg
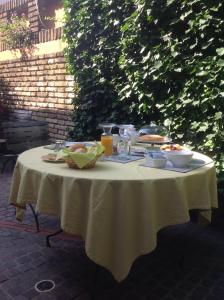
{"points": [[35, 217], [50, 235], [194, 215]]}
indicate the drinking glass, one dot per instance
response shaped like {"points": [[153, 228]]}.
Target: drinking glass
{"points": [[124, 144], [59, 144]]}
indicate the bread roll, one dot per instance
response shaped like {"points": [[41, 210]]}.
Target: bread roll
{"points": [[51, 156], [80, 150], [151, 138], [76, 146]]}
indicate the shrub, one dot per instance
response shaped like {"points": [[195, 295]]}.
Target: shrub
{"points": [[140, 60], [93, 33], [17, 35]]}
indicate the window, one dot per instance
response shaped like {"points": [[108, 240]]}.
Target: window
{"points": [[50, 13]]}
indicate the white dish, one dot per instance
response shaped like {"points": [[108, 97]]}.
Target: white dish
{"points": [[159, 162], [52, 158], [179, 158]]}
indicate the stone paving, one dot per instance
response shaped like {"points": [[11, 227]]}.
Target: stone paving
{"points": [[188, 263]]}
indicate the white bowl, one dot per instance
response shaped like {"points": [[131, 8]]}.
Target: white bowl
{"points": [[180, 158], [158, 162]]}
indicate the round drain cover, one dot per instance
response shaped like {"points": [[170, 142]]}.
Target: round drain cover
{"points": [[44, 286]]}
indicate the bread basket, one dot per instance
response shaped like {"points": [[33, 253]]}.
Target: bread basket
{"points": [[71, 163], [84, 160]]}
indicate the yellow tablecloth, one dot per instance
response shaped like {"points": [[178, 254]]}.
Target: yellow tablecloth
{"points": [[117, 208]]}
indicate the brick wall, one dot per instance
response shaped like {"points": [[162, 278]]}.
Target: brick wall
{"points": [[41, 83]]}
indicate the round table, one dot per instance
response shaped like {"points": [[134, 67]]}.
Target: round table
{"points": [[117, 208]]}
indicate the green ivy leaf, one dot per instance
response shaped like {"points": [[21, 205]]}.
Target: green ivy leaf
{"points": [[218, 115], [202, 73], [169, 2], [220, 51], [220, 62]]}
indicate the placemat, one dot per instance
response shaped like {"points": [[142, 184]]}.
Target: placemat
{"points": [[195, 164], [137, 153], [121, 159]]}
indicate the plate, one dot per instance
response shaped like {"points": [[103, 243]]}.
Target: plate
{"points": [[87, 144], [51, 157], [49, 147], [152, 143]]}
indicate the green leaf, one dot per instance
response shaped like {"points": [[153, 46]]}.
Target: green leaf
{"points": [[125, 27], [169, 2], [218, 115], [220, 51], [220, 62], [158, 64], [202, 73]]}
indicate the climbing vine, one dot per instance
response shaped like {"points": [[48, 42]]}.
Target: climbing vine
{"points": [[138, 60]]}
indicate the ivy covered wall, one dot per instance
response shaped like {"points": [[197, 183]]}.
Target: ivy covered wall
{"points": [[142, 60]]}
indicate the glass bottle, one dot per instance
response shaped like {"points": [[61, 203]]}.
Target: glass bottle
{"points": [[107, 138]]}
